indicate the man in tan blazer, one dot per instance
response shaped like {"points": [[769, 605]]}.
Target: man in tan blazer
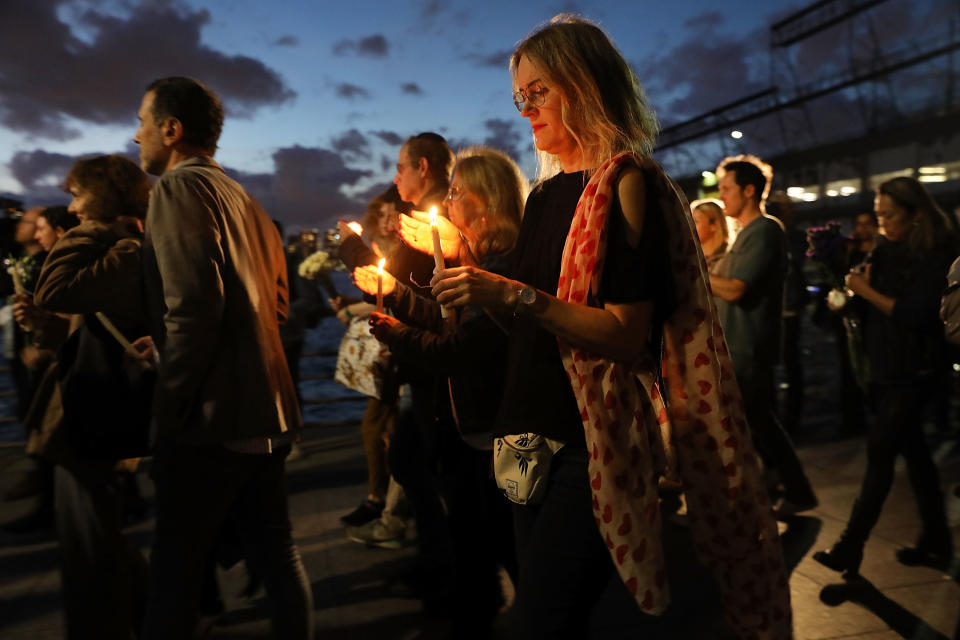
{"points": [[225, 409]]}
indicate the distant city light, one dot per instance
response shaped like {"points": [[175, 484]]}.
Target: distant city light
{"points": [[709, 178], [934, 170], [832, 193], [736, 135], [808, 197], [932, 178], [848, 190], [795, 192]]}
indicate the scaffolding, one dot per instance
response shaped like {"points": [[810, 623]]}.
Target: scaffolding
{"points": [[786, 98]]}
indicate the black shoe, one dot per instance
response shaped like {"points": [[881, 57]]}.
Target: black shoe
{"points": [[367, 511], [919, 556], [844, 557]]}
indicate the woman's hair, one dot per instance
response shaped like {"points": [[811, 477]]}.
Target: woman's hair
{"points": [[503, 188], [714, 211], [116, 185], [59, 218], [605, 108], [931, 226], [371, 219]]}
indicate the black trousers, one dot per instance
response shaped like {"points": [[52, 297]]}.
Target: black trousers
{"points": [[565, 567], [197, 488], [772, 442], [103, 576], [898, 430]]}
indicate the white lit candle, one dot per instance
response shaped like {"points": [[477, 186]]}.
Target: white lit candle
{"points": [[435, 232], [437, 249], [380, 285]]}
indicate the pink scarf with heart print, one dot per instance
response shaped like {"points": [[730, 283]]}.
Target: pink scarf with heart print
{"points": [[701, 428]]}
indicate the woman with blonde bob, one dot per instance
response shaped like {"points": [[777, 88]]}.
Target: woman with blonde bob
{"points": [[605, 288], [712, 230], [484, 204]]}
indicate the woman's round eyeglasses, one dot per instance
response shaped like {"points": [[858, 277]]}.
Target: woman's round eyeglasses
{"points": [[532, 97]]}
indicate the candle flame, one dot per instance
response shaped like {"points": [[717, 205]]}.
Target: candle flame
{"points": [[355, 227], [433, 216], [382, 262]]}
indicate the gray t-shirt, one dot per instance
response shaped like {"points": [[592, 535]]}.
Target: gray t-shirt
{"points": [[751, 325]]}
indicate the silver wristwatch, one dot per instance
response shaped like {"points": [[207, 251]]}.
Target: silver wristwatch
{"points": [[526, 297]]}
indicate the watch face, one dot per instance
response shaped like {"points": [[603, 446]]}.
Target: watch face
{"points": [[528, 295]]}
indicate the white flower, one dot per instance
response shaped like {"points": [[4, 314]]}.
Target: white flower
{"points": [[836, 299], [317, 264]]}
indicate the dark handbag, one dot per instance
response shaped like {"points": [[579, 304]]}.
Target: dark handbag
{"points": [[106, 401]]}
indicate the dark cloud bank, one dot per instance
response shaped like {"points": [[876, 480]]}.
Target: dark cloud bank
{"points": [[49, 75]]}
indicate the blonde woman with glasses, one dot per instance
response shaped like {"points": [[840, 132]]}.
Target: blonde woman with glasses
{"points": [[484, 203], [605, 291]]}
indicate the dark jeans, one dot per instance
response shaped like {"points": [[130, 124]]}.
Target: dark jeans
{"points": [[197, 488], [103, 576], [413, 459], [897, 430], [565, 567], [772, 442], [852, 399], [481, 531]]}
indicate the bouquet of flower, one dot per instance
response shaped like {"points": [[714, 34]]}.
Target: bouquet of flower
{"points": [[827, 247], [318, 264], [20, 269]]}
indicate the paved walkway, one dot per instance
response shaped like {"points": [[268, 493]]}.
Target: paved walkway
{"points": [[352, 600]]}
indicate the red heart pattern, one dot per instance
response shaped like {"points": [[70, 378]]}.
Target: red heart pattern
{"points": [[728, 507]]}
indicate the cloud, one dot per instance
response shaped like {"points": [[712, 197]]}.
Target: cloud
{"points": [[706, 70], [372, 191], [306, 186], [705, 20], [390, 137], [286, 41], [412, 88], [502, 135], [37, 169], [496, 60], [352, 142], [375, 46], [49, 75], [351, 91], [430, 9], [41, 173]]}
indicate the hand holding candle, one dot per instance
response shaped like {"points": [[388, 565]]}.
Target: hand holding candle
{"points": [[415, 229], [437, 250], [347, 228], [380, 285], [369, 276]]}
